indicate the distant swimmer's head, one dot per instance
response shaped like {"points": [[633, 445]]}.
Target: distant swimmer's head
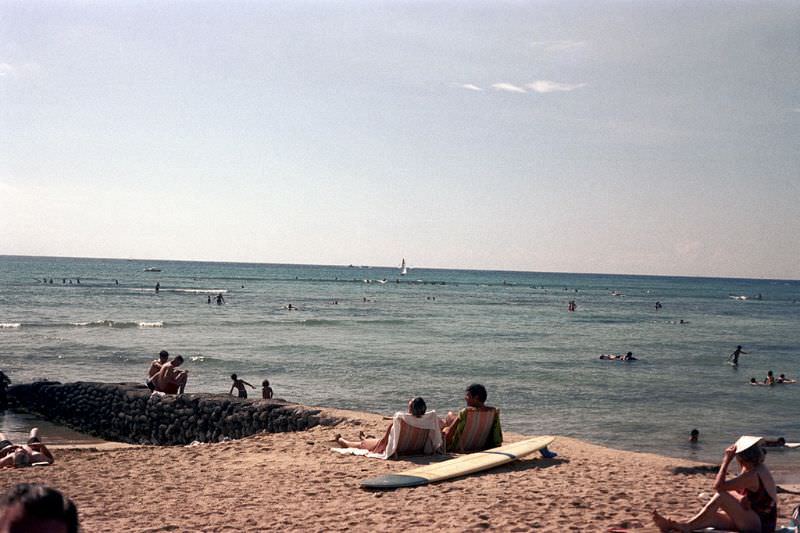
{"points": [[694, 435], [233, 377], [178, 361], [475, 395], [739, 347], [629, 354], [163, 355], [769, 373], [753, 381], [416, 406]]}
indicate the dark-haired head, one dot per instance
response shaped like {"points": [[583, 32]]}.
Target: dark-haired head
{"points": [[417, 406], [477, 391], [33, 507], [163, 354], [233, 377], [752, 456]]}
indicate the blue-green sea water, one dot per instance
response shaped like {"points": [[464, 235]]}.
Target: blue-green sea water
{"points": [[369, 338]]}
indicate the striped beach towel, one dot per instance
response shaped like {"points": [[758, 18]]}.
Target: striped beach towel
{"points": [[475, 430]]}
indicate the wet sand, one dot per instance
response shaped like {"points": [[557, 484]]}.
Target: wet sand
{"points": [[293, 482]]}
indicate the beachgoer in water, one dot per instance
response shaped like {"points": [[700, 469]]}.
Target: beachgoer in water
{"points": [[629, 357], [13, 455], [155, 366], [416, 407], [658, 306], [747, 502], [777, 443], [37, 508], [734, 357], [266, 390], [158, 286], [209, 298], [770, 379], [694, 436], [220, 299], [169, 379], [239, 384], [5, 381]]}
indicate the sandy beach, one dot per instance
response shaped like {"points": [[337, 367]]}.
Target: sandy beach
{"points": [[293, 482]]}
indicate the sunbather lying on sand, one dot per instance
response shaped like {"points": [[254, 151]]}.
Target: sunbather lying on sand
{"points": [[13, 455]]}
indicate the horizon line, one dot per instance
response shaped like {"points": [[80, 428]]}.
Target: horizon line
{"points": [[354, 265]]}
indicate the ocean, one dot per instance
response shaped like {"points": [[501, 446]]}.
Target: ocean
{"points": [[369, 338]]}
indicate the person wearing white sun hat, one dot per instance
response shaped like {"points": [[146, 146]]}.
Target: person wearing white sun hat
{"points": [[747, 503]]}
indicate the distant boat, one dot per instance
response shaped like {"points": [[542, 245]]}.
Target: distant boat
{"points": [[403, 269], [152, 269]]}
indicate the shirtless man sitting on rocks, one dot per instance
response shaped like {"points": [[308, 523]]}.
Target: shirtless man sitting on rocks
{"points": [[155, 366], [13, 455], [169, 379]]}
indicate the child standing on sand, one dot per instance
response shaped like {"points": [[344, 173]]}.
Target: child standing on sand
{"points": [[266, 390], [239, 384]]}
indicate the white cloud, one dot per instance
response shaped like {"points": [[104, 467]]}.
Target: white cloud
{"points": [[508, 87], [556, 46], [470, 87], [23, 70], [796, 109], [547, 86]]}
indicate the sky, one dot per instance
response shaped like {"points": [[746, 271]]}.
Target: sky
{"points": [[636, 137]]}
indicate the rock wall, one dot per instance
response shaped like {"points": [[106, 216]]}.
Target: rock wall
{"points": [[127, 412]]}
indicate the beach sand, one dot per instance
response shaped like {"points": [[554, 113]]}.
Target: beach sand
{"points": [[293, 482]]}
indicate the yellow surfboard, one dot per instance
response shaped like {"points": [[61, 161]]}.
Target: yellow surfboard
{"points": [[460, 466]]}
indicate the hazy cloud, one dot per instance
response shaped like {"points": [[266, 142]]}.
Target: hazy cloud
{"points": [[555, 46], [471, 87], [23, 70], [547, 86], [508, 87]]}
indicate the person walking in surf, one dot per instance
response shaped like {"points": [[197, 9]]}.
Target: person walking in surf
{"points": [[734, 357]]}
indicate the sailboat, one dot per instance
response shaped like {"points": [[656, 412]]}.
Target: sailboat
{"points": [[403, 269]]}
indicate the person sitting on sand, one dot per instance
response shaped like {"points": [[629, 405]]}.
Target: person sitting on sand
{"points": [[169, 379], [266, 390], [155, 366], [416, 407], [13, 455], [746, 503], [239, 384], [37, 508], [453, 424]]}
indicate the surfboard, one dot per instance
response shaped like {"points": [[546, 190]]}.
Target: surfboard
{"points": [[792, 444], [460, 466]]}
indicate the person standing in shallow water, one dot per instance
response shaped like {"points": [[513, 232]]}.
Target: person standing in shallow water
{"points": [[734, 357]]}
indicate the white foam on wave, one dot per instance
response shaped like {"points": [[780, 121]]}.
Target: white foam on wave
{"points": [[198, 291], [10, 325], [151, 324]]}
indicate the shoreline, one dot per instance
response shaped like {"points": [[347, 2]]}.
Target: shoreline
{"points": [[292, 481]]}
